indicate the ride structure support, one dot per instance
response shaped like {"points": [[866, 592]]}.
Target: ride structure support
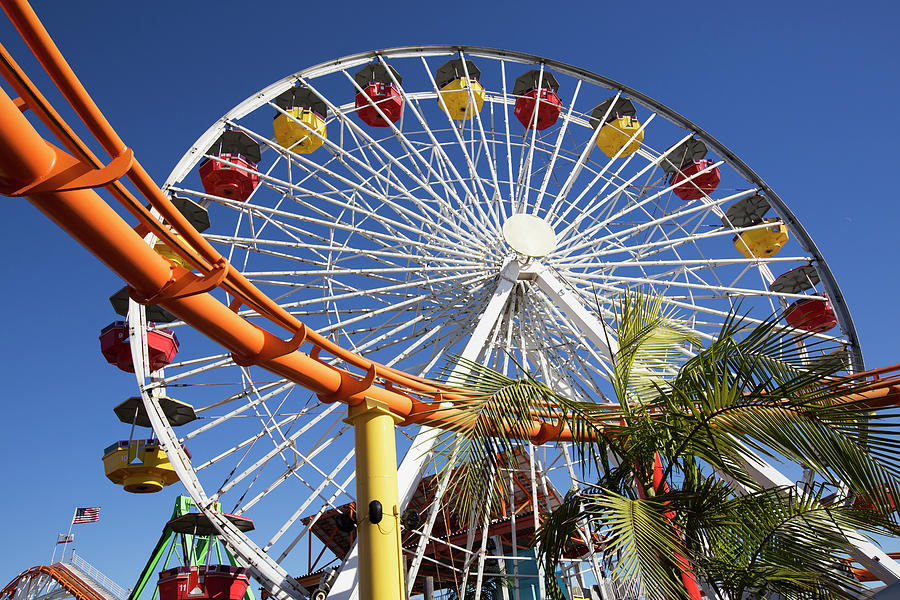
{"points": [[59, 184], [377, 501]]}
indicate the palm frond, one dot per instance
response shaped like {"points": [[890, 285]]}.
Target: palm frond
{"points": [[781, 540], [651, 338], [637, 532]]}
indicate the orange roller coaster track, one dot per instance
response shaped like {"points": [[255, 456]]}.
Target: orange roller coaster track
{"points": [[60, 183], [59, 573]]}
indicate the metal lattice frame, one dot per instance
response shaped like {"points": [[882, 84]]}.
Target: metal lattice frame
{"points": [[389, 242]]}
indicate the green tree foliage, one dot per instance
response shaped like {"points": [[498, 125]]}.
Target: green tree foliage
{"points": [[672, 491]]}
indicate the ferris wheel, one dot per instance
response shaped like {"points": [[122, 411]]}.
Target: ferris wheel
{"points": [[413, 204]]}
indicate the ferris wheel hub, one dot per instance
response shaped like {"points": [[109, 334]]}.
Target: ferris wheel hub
{"points": [[529, 235]]}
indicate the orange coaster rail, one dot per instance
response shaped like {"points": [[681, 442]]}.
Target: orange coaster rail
{"points": [[62, 575], [61, 186], [61, 183]]}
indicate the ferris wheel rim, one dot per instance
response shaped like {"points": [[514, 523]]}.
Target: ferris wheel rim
{"points": [[266, 94]]}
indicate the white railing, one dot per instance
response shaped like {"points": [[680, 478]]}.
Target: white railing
{"points": [[108, 585]]}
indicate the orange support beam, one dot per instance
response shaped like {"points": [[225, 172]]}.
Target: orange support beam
{"points": [[27, 162]]}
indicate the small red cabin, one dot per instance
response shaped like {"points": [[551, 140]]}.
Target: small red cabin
{"points": [[116, 349], [379, 84], [388, 99], [210, 582], [699, 185], [537, 106], [548, 109], [227, 181], [811, 314]]}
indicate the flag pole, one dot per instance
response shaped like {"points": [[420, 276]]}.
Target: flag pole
{"points": [[69, 534]]}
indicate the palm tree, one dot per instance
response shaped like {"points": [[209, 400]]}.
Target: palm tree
{"points": [[672, 492]]}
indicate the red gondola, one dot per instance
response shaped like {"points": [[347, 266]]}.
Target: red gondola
{"points": [[702, 184], [811, 314], [537, 91], [235, 181], [388, 100], [227, 181], [378, 87], [116, 349], [210, 582]]}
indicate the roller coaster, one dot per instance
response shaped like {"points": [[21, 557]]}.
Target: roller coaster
{"points": [[198, 284]]}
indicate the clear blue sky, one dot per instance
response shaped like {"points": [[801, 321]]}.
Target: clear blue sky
{"points": [[804, 92]]}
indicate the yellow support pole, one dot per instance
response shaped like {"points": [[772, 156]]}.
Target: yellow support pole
{"points": [[380, 554]]}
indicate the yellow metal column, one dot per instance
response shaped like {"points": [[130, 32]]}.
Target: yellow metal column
{"points": [[380, 555]]}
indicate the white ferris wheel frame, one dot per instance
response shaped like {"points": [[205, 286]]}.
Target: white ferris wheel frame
{"points": [[569, 304]]}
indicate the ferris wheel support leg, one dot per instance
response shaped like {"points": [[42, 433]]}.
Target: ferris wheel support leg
{"points": [[860, 549], [409, 473], [377, 502], [592, 327]]}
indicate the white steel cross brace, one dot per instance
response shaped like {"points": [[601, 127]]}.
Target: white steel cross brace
{"points": [[409, 473]]}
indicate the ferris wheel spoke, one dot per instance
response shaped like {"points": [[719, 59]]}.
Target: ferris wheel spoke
{"points": [[389, 156], [660, 246], [438, 246], [277, 388], [316, 493], [278, 448], [614, 194], [484, 198], [402, 252], [340, 271], [411, 147], [636, 205], [286, 476], [623, 235], [657, 228], [327, 479], [427, 211], [392, 227], [425, 282], [214, 362], [485, 145], [691, 308], [599, 363], [557, 146], [328, 504], [575, 171], [243, 445], [523, 179], [453, 328], [598, 199], [723, 291], [401, 308], [589, 265]]}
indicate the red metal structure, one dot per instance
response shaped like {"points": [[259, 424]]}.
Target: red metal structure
{"points": [[691, 182], [377, 98], [548, 109], [538, 106], [116, 349], [811, 314], [212, 582], [229, 180], [386, 97]]}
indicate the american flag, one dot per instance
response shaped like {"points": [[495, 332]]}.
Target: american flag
{"points": [[86, 515]]}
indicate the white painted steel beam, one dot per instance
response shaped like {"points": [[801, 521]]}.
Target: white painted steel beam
{"points": [[602, 336], [860, 549], [409, 473]]}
